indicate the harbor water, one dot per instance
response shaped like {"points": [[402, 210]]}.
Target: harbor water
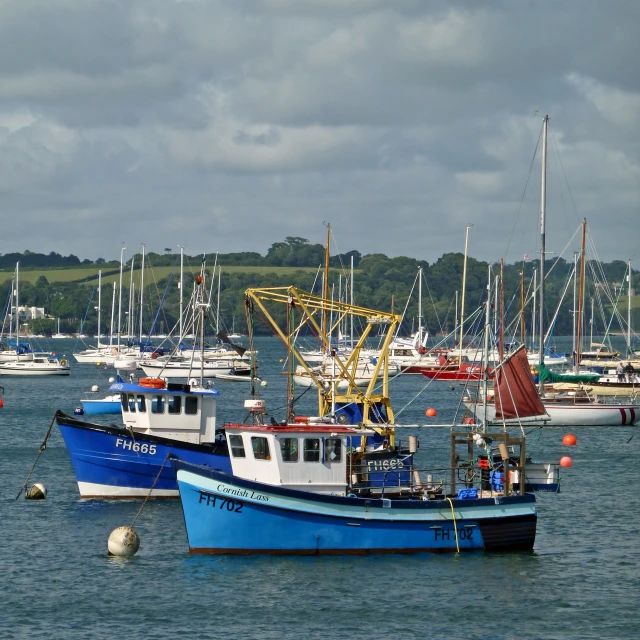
{"points": [[582, 580]]}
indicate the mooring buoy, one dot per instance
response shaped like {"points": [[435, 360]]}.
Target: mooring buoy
{"points": [[123, 542], [36, 492]]}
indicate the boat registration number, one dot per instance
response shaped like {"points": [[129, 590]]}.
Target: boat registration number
{"points": [[222, 503], [130, 445]]}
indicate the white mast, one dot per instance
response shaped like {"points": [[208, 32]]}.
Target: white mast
{"points": [[17, 292], [180, 287], [218, 305], [464, 282], [420, 306], [629, 313], [141, 292], [99, 303], [120, 299], [543, 205], [113, 307], [130, 312], [533, 319], [352, 302]]}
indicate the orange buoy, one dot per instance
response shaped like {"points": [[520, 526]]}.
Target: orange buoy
{"points": [[431, 412], [570, 440], [566, 461], [1, 403], [469, 420]]}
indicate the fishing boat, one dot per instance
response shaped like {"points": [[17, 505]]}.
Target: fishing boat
{"points": [[37, 366], [303, 490], [160, 418]]}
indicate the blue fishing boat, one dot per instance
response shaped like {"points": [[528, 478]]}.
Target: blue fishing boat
{"points": [[110, 404], [126, 461], [304, 490], [160, 419]]}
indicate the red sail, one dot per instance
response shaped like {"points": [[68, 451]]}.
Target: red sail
{"points": [[516, 394]]}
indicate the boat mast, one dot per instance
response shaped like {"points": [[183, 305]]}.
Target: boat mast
{"points": [[485, 373], [113, 306], [543, 213], [629, 312], [575, 298], [181, 287], [325, 290], [119, 299], [580, 299], [533, 314], [419, 341], [99, 303], [351, 298], [501, 336], [464, 281], [141, 292], [17, 292], [130, 311], [522, 327]]}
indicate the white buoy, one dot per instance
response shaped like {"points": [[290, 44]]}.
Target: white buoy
{"points": [[123, 542], [94, 388], [112, 380], [37, 492], [263, 383]]}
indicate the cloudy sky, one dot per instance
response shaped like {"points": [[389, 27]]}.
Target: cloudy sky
{"points": [[226, 125]]}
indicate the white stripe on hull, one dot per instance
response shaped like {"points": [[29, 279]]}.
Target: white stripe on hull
{"points": [[92, 490]]}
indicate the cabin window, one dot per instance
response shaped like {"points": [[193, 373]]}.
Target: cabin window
{"points": [[289, 449], [157, 404], [142, 404], [237, 446], [191, 405], [132, 402], [311, 450], [124, 401], [333, 450], [260, 448], [174, 404]]}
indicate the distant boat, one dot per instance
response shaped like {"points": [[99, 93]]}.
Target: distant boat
{"points": [[38, 366], [59, 335]]}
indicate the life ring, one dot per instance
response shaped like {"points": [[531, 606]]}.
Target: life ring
{"points": [[63, 362], [154, 383], [301, 419]]}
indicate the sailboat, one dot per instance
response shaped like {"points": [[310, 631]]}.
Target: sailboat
{"points": [[59, 335], [573, 408]]}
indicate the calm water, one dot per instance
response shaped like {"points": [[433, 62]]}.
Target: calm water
{"points": [[57, 581]]}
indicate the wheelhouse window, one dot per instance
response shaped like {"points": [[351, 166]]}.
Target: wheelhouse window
{"points": [[333, 450], [311, 450], [260, 447], [174, 404], [124, 401], [237, 447], [191, 405], [157, 404], [132, 402], [289, 449], [142, 404]]}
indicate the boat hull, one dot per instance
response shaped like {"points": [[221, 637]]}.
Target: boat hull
{"points": [[574, 415], [109, 463], [228, 515]]}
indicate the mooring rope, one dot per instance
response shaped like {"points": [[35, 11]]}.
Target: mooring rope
{"points": [[455, 526], [150, 490], [43, 446]]}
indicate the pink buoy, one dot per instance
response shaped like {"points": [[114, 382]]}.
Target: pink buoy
{"points": [[566, 461]]}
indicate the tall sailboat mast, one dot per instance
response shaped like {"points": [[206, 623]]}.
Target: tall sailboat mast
{"points": [[141, 292], [543, 213], [99, 303], [629, 312], [119, 329], [579, 320], [464, 282], [325, 291]]}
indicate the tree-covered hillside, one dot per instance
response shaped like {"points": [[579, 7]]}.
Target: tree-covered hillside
{"points": [[380, 282]]}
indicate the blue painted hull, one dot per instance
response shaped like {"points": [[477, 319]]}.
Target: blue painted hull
{"points": [[228, 515], [108, 463]]}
